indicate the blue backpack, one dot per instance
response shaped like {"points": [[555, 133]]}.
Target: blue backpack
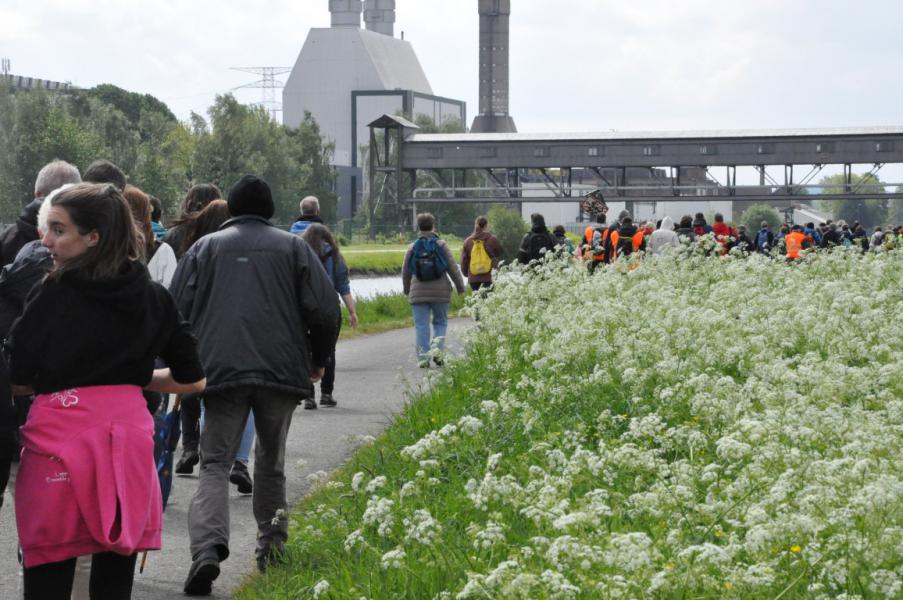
{"points": [[427, 261], [762, 241]]}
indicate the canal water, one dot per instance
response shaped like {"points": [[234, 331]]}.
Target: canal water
{"points": [[367, 287]]}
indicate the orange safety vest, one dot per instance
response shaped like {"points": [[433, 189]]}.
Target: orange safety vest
{"points": [[636, 240], [588, 236], [794, 243]]}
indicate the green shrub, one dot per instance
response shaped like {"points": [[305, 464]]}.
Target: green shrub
{"points": [[755, 214], [509, 227]]}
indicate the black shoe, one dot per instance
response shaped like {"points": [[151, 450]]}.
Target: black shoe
{"points": [[203, 571], [240, 477], [327, 400], [310, 404], [439, 361], [185, 466], [271, 556]]}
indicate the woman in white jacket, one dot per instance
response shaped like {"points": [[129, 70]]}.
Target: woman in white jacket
{"points": [[663, 237], [159, 256]]}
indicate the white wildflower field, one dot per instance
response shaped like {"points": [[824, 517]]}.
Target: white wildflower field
{"points": [[694, 427]]}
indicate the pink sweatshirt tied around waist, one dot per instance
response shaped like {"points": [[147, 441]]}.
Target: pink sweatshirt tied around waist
{"points": [[87, 481]]}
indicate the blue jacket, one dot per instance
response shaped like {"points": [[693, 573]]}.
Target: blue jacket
{"points": [[337, 271], [299, 226]]}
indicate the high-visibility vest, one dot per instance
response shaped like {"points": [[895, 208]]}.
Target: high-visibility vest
{"points": [[794, 243], [588, 236], [636, 240]]}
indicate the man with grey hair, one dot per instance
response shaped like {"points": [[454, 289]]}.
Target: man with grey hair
{"points": [[53, 175], [310, 213]]}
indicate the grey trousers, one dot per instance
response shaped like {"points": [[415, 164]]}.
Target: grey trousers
{"points": [[226, 413]]}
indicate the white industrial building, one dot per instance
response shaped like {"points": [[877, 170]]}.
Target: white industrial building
{"points": [[346, 77]]}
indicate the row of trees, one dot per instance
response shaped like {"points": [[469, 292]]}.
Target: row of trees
{"points": [[161, 155]]}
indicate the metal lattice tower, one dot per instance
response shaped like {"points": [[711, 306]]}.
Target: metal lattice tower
{"points": [[268, 84], [4, 67]]}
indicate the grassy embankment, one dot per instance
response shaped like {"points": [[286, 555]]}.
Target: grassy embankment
{"points": [[384, 312], [703, 442]]}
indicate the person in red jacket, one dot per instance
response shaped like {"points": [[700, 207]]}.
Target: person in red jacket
{"points": [[723, 233]]}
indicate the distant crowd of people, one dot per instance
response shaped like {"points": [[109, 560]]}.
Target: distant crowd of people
{"points": [[603, 243]]}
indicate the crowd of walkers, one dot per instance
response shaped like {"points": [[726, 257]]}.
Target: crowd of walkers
{"points": [[106, 314], [604, 243]]}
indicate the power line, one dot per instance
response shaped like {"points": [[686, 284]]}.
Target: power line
{"points": [[268, 84]]}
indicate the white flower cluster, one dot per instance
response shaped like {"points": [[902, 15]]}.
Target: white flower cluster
{"points": [[697, 426]]}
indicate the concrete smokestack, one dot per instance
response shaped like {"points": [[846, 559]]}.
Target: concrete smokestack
{"points": [[493, 116], [345, 13], [379, 16]]}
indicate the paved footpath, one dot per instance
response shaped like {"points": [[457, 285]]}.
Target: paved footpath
{"points": [[373, 376]]}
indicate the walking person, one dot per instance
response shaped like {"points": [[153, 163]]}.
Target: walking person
{"points": [[428, 265], [536, 242], [197, 198], [480, 255], [324, 245], [265, 314], [310, 213], [664, 237], [195, 226], [89, 423], [157, 255]]}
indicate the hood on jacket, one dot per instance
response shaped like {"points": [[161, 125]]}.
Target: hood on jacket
{"points": [[123, 293], [29, 215], [667, 224]]}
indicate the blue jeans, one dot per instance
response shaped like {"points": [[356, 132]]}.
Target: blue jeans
{"points": [[422, 327], [247, 437]]}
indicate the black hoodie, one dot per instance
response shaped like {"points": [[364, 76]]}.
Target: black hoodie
{"points": [[23, 231], [77, 332]]}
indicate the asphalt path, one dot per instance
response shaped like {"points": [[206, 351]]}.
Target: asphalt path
{"points": [[375, 377]]}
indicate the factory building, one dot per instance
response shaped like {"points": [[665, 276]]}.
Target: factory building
{"points": [[346, 77]]}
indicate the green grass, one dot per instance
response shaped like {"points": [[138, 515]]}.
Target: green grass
{"points": [[569, 455], [382, 259], [385, 312]]}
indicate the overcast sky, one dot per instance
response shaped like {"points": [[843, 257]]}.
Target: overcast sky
{"points": [[576, 65]]}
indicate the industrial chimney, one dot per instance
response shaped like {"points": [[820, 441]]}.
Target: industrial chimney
{"points": [[379, 16], [345, 13], [493, 115]]}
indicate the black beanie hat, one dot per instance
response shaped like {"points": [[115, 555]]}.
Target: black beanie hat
{"points": [[251, 196]]}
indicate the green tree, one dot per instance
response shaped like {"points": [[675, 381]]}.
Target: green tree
{"points": [[509, 227], [36, 128], [754, 215], [163, 161], [243, 139], [316, 175], [869, 212], [895, 209]]}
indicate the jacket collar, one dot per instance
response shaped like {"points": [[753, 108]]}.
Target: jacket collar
{"points": [[244, 218]]}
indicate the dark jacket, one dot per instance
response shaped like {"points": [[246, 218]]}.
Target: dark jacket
{"points": [[24, 230], [685, 234], [493, 249], [175, 237], [77, 332], [768, 239], [18, 278], [532, 244], [261, 304], [831, 238]]}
